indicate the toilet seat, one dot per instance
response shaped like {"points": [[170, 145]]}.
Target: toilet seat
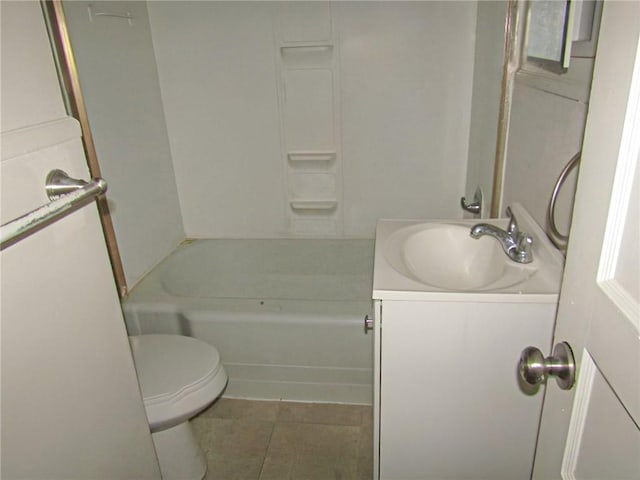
{"points": [[179, 376]]}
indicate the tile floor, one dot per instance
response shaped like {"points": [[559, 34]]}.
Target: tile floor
{"points": [[271, 440]]}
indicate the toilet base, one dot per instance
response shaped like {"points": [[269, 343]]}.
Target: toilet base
{"points": [[179, 454]]}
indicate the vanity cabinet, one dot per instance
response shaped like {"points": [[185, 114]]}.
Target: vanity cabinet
{"points": [[448, 401], [452, 316]]}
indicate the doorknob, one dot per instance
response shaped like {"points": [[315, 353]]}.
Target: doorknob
{"points": [[535, 369]]}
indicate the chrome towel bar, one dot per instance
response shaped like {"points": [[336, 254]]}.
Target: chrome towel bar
{"points": [[67, 195]]}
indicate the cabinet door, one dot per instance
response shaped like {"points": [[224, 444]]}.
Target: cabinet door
{"points": [[451, 405]]}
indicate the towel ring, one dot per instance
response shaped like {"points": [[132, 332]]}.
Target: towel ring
{"points": [[558, 239]]}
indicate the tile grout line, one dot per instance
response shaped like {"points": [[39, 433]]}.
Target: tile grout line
{"points": [[273, 427], [264, 458]]}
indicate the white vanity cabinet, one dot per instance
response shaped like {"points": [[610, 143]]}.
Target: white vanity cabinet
{"points": [[448, 400], [450, 403]]}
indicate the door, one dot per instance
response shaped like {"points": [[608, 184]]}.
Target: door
{"points": [[71, 404], [592, 431]]}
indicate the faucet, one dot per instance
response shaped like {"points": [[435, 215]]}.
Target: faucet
{"points": [[516, 245]]}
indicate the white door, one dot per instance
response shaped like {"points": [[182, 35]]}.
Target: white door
{"points": [[71, 404], [591, 431]]}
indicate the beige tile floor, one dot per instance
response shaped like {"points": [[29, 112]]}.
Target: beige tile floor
{"points": [[264, 440]]}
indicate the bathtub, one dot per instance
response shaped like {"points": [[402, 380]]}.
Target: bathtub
{"points": [[285, 315]]}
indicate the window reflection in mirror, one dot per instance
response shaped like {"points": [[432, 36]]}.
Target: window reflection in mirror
{"points": [[555, 29], [547, 28]]}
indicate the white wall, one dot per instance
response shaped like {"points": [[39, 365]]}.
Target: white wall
{"points": [[546, 125], [407, 73], [405, 76], [30, 89], [546, 128], [117, 70], [71, 405], [545, 131], [216, 63]]}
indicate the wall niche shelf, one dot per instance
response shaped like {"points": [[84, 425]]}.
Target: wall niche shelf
{"points": [[311, 156], [309, 91], [307, 56], [311, 205], [306, 161]]}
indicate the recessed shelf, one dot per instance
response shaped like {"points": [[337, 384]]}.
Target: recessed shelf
{"points": [[307, 56], [318, 204], [304, 47], [311, 157]]}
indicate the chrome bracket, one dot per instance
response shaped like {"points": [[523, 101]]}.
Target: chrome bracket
{"points": [[476, 206], [58, 183]]}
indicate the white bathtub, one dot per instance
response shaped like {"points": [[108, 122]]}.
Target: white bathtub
{"points": [[286, 315]]}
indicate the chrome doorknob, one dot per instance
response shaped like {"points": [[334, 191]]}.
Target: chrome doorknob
{"points": [[534, 368]]}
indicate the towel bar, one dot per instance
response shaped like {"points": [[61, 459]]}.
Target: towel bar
{"points": [[67, 196]]}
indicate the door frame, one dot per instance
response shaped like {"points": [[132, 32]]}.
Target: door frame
{"points": [[53, 12]]}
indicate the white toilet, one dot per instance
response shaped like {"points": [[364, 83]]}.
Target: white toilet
{"points": [[179, 377]]}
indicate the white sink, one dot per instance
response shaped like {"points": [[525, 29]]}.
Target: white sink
{"points": [[446, 256], [441, 256]]}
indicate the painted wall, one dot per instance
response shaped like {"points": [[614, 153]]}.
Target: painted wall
{"points": [[403, 90], [30, 89], [546, 129], [117, 70], [216, 64], [71, 405], [406, 102], [487, 81], [546, 126]]}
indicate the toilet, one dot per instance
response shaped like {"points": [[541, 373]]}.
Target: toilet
{"points": [[179, 377]]}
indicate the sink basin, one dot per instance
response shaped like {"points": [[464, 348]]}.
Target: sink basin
{"points": [[438, 260], [445, 256]]}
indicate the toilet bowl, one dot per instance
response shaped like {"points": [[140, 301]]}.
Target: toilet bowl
{"points": [[179, 377]]}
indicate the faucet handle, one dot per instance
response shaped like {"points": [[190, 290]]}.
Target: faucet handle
{"points": [[512, 228], [523, 248]]}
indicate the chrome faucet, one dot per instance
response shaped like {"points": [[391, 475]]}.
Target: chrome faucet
{"points": [[516, 245]]}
